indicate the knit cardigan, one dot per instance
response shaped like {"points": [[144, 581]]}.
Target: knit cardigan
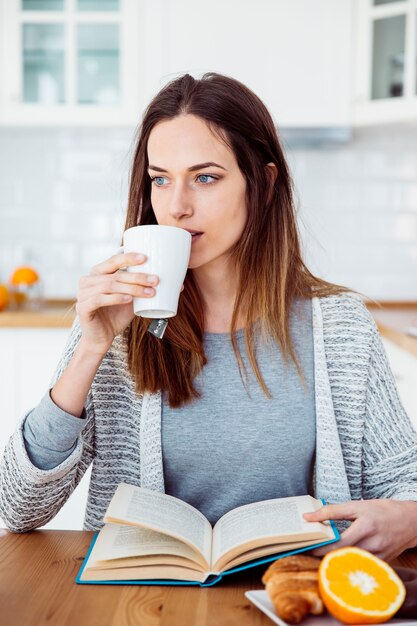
{"points": [[366, 446]]}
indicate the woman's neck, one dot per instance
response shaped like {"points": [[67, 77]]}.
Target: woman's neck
{"points": [[218, 287]]}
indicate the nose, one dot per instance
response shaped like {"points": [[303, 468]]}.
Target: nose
{"points": [[180, 204]]}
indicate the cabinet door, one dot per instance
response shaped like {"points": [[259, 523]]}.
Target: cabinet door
{"points": [[7, 384], [68, 61], [295, 54], [37, 355], [386, 62], [28, 358]]}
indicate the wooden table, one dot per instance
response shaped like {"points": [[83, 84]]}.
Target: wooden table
{"points": [[37, 587]]}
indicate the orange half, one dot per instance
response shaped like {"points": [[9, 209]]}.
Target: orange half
{"points": [[359, 588]]}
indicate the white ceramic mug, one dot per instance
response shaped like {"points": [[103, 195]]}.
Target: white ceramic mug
{"points": [[167, 250]]}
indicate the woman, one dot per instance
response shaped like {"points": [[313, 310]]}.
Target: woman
{"points": [[300, 400]]}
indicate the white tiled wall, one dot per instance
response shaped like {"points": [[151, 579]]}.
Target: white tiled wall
{"points": [[358, 211], [63, 194], [62, 201]]}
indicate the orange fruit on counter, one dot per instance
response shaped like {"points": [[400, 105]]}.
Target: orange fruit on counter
{"points": [[4, 297], [24, 275], [359, 588]]}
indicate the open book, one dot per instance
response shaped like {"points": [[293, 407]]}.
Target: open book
{"points": [[151, 536]]}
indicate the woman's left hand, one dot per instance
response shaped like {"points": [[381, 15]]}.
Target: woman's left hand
{"points": [[384, 527]]}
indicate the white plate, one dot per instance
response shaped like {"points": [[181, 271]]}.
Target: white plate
{"points": [[262, 601]]}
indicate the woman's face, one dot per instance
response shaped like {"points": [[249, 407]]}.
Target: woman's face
{"points": [[198, 186]]}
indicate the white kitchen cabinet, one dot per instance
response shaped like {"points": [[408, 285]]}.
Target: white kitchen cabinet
{"points": [[295, 54], [28, 358], [70, 61], [322, 64], [385, 82]]}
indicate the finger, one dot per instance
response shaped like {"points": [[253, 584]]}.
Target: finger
{"points": [[365, 545], [382, 546], [134, 291], [325, 549], [117, 261], [135, 278], [111, 281], [117, 283], [390, 552], [101, 300], [346, 511], [346, 539], [358, 534]]}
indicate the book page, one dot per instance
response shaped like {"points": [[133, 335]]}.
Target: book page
{"points": [[268, 521], [147, 572], [162, 513], [117, 542], [257, 553]]}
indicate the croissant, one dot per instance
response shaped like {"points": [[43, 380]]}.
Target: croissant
{"points": [[292, 585]]}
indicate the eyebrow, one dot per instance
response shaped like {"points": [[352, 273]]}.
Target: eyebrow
{"points": [[193, 168]]}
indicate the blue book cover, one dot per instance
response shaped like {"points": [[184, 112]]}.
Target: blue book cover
{"points": [[211, 580]]}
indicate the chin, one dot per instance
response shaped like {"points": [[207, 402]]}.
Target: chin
{"points": [[193, 265], [197, 261]]}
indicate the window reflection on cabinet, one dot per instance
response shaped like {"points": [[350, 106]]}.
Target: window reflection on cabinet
{"points": [[377, 2], [98, 5], [43, 5], [388, 57], [64, 42], [71, 61], [43, 63], [98, 64]]}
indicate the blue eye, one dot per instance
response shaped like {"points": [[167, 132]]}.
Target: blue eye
{"points": [[206, 176], [157, 179], [205, 179]]}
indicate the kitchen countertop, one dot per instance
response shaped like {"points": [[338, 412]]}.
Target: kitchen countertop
{"points": [[392, 319], [52, 314]]}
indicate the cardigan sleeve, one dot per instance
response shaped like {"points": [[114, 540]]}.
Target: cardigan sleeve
{"points": [[29, 496], [389, 457]]}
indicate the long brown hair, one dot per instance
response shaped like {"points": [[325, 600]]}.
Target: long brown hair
{"points": [[271, 272]]}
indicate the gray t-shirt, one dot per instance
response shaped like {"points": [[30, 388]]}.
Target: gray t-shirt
{"points": [[227, 448]]}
